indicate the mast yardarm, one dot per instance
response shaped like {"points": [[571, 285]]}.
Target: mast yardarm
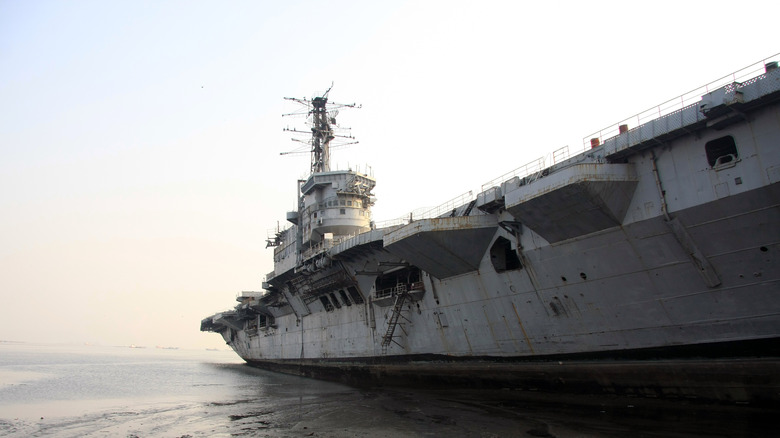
{"points": [[321, 119]]}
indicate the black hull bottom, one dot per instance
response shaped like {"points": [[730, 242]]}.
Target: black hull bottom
{"points": [[739, 372]]}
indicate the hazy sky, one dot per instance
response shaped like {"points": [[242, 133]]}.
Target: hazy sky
{"points": [[139, 140]]}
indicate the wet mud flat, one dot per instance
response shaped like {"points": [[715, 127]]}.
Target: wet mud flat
{"points": [[479, 413], [132, 394], [299, 407]]}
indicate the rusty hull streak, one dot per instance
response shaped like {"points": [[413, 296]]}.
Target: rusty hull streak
{"points": [[520, 323]]}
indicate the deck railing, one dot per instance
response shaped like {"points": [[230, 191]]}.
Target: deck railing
{"points": [[675, 104], [398, 289], [429, 213], [530, 168], [322, 247], [390, 291]]}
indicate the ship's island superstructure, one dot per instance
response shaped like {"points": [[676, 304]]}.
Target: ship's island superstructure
{"points": [[648, 264]]}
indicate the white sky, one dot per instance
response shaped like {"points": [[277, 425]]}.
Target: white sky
{"points": [[140, 140]]}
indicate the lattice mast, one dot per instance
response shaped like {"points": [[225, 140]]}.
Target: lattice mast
{"points": [[321, 119], [321, 134]]}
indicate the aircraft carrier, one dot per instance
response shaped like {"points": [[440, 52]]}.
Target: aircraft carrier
{"points": [[646, 263]]}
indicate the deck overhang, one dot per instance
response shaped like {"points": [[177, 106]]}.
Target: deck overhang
{"points": [[443, 247], [220, 321], [575, 201]]}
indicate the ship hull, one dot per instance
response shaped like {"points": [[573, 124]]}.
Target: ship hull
{"points": [[685, 340], [648, 266], [715, 375], [709, 344], [640, 290]]}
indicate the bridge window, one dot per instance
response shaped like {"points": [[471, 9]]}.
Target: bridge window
{"points": [[721, 151]]}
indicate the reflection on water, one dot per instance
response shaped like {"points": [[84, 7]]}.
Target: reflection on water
{"points": [[100, 391]]}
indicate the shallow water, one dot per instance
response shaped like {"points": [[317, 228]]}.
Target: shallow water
{"points": [[82, 391]]}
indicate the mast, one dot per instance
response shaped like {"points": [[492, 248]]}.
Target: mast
{"points": [[321, 119], [321, 134]]}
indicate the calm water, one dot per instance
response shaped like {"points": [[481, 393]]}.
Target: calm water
{"points": [[63, 391]]}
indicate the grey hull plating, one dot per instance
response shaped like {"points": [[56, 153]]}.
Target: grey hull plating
{"points": [[661, 242]]}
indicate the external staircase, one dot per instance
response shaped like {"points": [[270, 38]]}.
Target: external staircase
{"points": [[395, 317]]}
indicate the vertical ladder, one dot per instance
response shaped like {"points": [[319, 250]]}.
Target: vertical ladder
{"points": [[387, 339]]}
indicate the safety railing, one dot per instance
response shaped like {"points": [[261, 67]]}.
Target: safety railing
{"points": [[676, 104], [531, 167], [429, 213], [249, 294], [325, 245], [398, 289], [391, 291], [446, 207]]}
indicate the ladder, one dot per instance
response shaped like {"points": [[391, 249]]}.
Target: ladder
{"points": [[469, 208], [398, 307]]}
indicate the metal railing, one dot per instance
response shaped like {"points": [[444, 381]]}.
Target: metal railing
{"points": [[321, 247], [429, 213], [250, 294], [391, 291], [532, 167], [676, 104], [399, 221], [398, 289], [526, 169], [446, 207]]}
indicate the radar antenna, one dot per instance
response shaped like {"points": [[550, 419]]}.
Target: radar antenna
{"points": [[321, 119]]}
